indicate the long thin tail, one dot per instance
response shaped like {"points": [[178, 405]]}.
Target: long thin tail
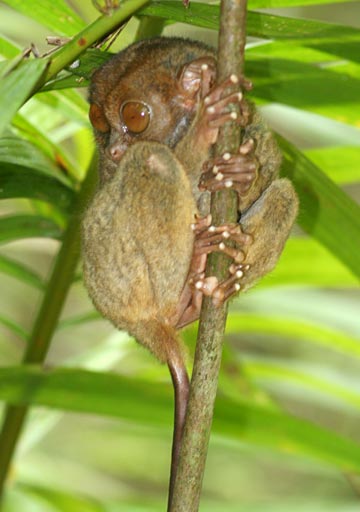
{"points": [[181, 394], [165, 344]]}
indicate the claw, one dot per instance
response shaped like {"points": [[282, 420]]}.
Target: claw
{"points": [[207, 285]]}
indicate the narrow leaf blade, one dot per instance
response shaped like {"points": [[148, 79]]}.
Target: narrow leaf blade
{"points": [[16, 87], [54, 14], [16, 227], [324, 208], [118, 396], [21, 272]]}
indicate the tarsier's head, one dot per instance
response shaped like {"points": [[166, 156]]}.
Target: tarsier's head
{"points": [[149, 91]]}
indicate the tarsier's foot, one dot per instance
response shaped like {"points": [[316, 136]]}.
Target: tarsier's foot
{"points": [[210, 239], [220, 292], [269, 221], [231, 171]]}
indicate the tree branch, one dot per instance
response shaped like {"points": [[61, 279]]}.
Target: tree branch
{"points": [[212, 321]]}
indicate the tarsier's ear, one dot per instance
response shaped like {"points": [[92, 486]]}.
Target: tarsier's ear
{"points": [[198, 75], [98, 119]]}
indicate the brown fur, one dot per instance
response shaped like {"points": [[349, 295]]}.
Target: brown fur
{"points": [[135, 222], [137, 236], [137, 240]]}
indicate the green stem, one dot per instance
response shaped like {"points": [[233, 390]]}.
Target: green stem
{"points": [[149, 26], [67, 259], [92, 33], [60, 281], [212, 321]]}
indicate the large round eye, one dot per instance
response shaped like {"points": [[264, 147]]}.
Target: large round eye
{"points": [[135, 115], [98, 119]]}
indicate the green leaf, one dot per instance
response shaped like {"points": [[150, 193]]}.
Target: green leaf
{"points": [[21, 272], [81, 73], [306, 86], [304, 379], [85, 391], [79, 319], [61, 501], [285, 433], [29, 130], [340, 163], [20, 153], [308, 32], [309, 332], [54, 14], [17, 86], [8, 49], [134, 400], [303, 54], [88, 61], [263, 4], [324, 36], [14, 327], [65, 82], [17, 182], [324, 208], [305, 261], [26, 226], [67, 103]]}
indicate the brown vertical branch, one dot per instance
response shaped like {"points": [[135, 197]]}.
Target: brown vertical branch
{"points": [[212, 322]]}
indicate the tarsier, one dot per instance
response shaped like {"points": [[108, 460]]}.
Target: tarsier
{"points": [[156, 114]]}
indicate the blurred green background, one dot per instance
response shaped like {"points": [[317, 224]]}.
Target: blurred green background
{"points": [[286, 429]]}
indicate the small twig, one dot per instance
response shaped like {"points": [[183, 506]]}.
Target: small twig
{"points": [[107, 8], [212, 322], [57, 40], [110, 39]]}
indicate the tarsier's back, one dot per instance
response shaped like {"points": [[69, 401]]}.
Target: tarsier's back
{"points": [[137, 251]]}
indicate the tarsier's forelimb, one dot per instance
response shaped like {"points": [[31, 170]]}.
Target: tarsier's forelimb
{"points": [[268, 229]]}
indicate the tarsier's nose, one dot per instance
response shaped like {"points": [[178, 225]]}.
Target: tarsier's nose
{"points": [[116, 151]]}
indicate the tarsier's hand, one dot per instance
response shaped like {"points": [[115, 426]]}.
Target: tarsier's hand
{"points": [[215, 104]]}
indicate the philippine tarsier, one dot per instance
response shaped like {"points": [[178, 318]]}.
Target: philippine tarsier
{"points": [[146, 234]]}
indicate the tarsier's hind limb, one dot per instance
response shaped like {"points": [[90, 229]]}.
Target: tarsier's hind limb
{"points": [[227, 239], [269, 221]]}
